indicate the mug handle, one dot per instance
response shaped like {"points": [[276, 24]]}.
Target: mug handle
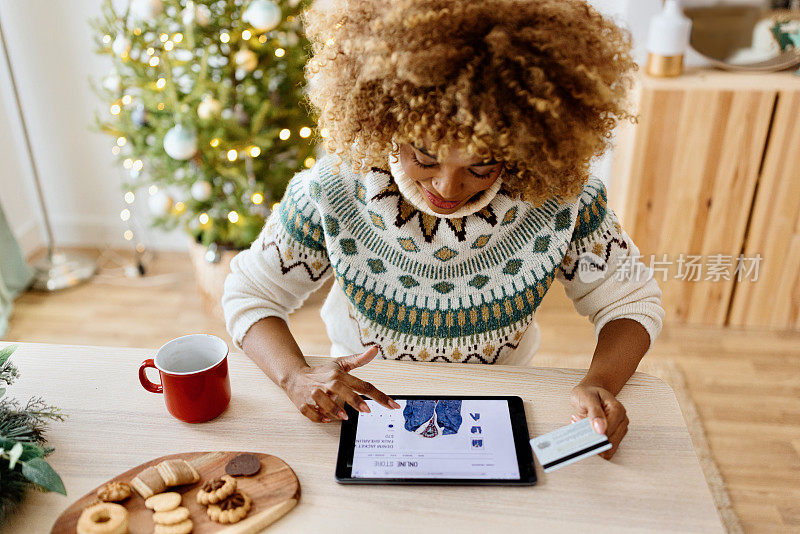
{"points": [[146, 384]]}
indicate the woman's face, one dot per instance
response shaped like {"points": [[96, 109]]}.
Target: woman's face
{"points": [[447, 185]]}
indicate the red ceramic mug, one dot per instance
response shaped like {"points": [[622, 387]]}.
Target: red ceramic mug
{"points": [[194, 377]]}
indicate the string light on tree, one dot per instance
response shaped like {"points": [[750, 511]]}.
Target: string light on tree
{"points": [[233, 217]]}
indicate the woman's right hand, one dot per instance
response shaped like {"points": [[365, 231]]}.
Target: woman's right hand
{"points": [[316, 389]]}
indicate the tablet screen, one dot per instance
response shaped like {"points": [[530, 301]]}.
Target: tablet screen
{"points": [[427, 438]]}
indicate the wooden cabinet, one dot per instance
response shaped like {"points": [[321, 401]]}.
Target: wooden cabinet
{"points": [[707, 184]]}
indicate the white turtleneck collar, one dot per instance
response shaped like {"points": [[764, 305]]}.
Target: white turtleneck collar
{"points": [[415, 197]]}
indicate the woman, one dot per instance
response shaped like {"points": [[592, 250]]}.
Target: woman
{"points": [[456, 191]]}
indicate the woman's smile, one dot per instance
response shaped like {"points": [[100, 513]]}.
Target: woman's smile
{"points": [[438, 201]]}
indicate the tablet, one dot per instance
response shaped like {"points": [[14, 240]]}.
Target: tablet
{"points": [[437, 440]]}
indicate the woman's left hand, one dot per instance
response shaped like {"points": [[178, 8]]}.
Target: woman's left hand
{"points": [[605, 411]]}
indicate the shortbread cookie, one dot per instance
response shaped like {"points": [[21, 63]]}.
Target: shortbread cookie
{"points": [[231, 510], [163, 502], [216, 490], [103, 518], [148, 482], [184, 527], [243, 465], [177, 472], [171, 517], [114, 492]]}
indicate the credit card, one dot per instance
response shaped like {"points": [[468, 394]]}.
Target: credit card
{"points": [[568, 444]]}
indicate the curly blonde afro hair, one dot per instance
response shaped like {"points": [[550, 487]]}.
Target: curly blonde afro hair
{"points": [[536, 84]]}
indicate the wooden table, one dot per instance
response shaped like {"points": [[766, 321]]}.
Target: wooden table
{"points": [[654, 483]]}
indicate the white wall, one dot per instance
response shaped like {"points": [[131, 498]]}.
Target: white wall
{"points": [[51, 48]]}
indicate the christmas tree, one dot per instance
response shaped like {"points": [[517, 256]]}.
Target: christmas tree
{"points": [[205, 106]]}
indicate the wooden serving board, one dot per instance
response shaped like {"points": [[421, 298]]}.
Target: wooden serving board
{"points": [[274, 490]]}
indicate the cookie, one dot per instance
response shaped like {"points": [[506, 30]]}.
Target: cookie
{"points": [[184, 527], [231, 510], [148, 483], [244, 465], [114, 491], [177, 472], [171, 517], [103, 518], [216, 490], [163, 502]]}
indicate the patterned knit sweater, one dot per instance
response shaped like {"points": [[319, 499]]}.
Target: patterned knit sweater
{"points": [[425, 287]]}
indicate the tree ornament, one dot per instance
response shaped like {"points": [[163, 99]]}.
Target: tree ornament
{"points": [[262, 15], [139, 116], [246, 59], [196, 13], [213, 254], [146, 10], [228, 188], [241, 115], [209, 107], [180, 143], [203, 15], [113, 82], [121, 45], [159, 204], [201, 191]]}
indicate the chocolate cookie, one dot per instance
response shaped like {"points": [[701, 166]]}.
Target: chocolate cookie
{"points": [[244, 465]]}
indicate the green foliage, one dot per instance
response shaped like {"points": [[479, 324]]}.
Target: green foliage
{"points": [[165, 68], [22, 444]]}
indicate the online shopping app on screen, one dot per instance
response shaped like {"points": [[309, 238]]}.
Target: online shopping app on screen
{"points": [[436, 439]]}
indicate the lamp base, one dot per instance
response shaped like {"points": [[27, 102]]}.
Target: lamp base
{"points": [[63, 270], [664, 66]]}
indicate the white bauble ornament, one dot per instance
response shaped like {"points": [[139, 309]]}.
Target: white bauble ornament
{"points": [[180, 143], [112, 82], [182, 54], [201, 191], [203, 15], [121, 45], [194, 13], [146, 9], [262, 15], [159, 204], [246, 59], [209, 107]]}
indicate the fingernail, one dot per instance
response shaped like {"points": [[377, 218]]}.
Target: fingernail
{"points": [[596, 425], [363, 407], [326, 420], [394, 404], [343, 415]]}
